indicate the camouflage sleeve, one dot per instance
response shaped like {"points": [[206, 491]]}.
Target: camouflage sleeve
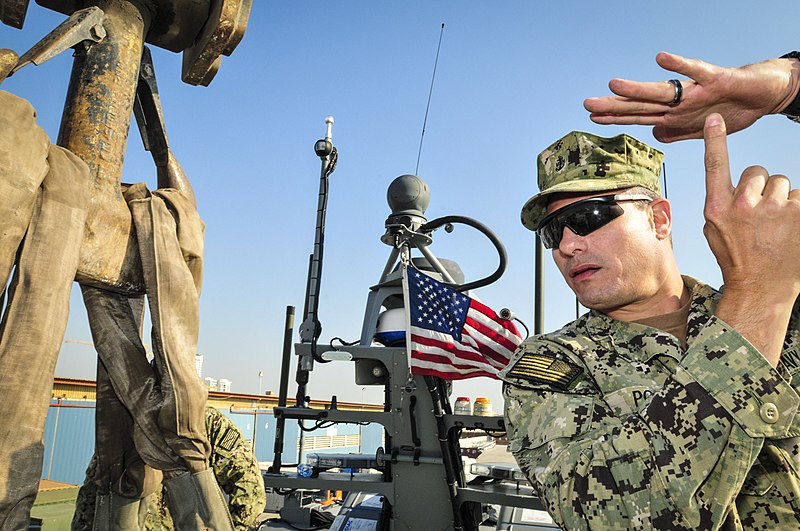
{"points": [[83, 517], [240, 478], [158, 517], [676, 464], [790, 357], [732, 371], [237, 471]]}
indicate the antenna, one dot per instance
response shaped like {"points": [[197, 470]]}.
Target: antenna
{"points": [[430, 93]]}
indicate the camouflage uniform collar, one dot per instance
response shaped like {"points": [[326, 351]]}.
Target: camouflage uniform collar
{"points": [[633, 339]]}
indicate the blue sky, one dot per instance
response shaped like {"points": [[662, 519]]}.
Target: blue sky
{"points": [[511, 78]]}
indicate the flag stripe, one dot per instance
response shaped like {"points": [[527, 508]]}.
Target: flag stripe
{"points": [[494, 331], [445, 374], [491, 356], [424, 344], [485, 340], [453, 336], [445, 362], [492, 315], [502, 334]]}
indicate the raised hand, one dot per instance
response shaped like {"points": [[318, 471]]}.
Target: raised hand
{"points": [[752, 229], [741, 95]]}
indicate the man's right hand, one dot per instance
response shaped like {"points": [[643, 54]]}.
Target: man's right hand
{"points": [[752, 229], [741, 95]]}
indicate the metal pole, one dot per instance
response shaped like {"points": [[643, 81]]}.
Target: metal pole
{"points": [[94, 126], [55, 436], [255, 426], [287, 356], [538, 287], [360, 425], [283, 388], [453, 466], [309, 327]]}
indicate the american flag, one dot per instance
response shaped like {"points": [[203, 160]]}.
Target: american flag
{"points": [[453, 336]]}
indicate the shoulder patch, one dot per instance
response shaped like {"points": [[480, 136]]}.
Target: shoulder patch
{"points": [[229, 440], [546, 369]]}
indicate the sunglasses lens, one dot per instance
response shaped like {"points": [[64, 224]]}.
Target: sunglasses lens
{"points": [[588, 220], [550, 233], [582, 219]]}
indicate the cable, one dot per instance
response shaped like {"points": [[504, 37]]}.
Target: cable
{"points": [[319, 519], [342, 342], [332, 164], [320, 245], [527, 332], [319, 425], [324, 424], [498, 245]]}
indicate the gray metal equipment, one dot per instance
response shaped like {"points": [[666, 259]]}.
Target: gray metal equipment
{"points": [[422, 481]]}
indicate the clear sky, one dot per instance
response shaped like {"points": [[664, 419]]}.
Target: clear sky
{"points": [[511, 78]]}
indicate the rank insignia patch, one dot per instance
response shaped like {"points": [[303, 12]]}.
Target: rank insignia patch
{"points": [[545, 369]]}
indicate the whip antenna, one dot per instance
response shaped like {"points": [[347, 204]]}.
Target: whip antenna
{"points": [[430, 93]]}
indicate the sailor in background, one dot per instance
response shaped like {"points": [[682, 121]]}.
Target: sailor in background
{"points": [[235, 468]]}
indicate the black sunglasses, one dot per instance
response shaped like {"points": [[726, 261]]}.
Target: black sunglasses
{"points": [[583, 217]]}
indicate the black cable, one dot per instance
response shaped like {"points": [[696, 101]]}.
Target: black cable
{"points": [[325, 525], [318, 425], [527, 332], [451, 455], [318, 519], [332, 163], [343, 342], [321, 245], [322, 518], [413, 417], [498, 245]]}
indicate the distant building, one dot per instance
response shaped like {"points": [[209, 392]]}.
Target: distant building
{"points": [[211, 383], [224, 385], [198, 364], [70, 429]]}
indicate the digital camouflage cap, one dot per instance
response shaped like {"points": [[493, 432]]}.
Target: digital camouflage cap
{"points": [[585, 163]]}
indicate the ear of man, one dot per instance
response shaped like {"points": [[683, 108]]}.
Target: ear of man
{"points": [[662, 218]]}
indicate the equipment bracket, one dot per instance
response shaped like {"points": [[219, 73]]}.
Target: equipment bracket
{"points": [[81, 26]]}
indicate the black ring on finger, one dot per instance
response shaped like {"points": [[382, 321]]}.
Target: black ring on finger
{"points": [[676, 83]]}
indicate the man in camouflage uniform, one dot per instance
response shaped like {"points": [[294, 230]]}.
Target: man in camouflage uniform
{"points": [[668, 405], [234, 466]]}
